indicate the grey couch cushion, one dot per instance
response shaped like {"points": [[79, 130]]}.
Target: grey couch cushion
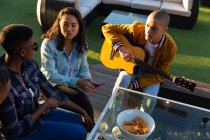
{"points": [[175, 9], [146, 4], [84, 10], [118, 2], [90, 3], [173, 1]]}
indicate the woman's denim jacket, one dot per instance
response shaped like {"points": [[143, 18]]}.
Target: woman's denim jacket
{"points": [[55, 64]]}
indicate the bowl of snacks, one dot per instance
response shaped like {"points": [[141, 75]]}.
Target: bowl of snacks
{"points": [[135, 124]]}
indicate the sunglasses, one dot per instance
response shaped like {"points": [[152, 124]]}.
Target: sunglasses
{"points": [[35, 46]]}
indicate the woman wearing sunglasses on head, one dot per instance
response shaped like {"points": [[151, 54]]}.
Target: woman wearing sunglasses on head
{"points": [[21, 115]]}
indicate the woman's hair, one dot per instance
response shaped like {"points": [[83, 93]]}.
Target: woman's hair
{"points": [[4, 77], [55, 33], [12, 35]]}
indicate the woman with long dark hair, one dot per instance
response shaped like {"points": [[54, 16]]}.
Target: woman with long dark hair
{"points": [[64, 58]]}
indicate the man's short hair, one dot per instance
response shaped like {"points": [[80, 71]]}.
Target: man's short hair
{"points": [[13, 34], [4, 76], [161, 15]]}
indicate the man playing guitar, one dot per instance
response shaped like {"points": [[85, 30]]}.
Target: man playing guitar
{"points": [[153, 39]]}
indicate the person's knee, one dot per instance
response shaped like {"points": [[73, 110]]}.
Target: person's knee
{"points": [[152, 89], [73, 132], [125, 79], [80, 133]]}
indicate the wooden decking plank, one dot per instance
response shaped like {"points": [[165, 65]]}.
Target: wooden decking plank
{"points": [[103, 69], [99, 102], [204, 89], [103, 92], [97, 107], [99, 96], [101, 75], [97, 111]]}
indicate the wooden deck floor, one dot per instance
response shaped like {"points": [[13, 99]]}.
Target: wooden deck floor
{"points": [[100, 96]]}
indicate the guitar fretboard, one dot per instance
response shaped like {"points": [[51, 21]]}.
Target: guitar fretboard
{"points": [[149, 68]]}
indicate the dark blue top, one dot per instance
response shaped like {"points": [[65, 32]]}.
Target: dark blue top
{"points": [[22, 100]]}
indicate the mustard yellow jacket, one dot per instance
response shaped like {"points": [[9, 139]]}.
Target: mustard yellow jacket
{"points": [[163, 56]]}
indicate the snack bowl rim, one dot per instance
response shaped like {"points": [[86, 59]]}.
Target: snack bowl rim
{"points": [[131, 114]]}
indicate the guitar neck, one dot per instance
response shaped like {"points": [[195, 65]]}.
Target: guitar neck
{"points": [[148, 68]]}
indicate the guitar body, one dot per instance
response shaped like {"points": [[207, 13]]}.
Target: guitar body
{"points": [[117, 62]]}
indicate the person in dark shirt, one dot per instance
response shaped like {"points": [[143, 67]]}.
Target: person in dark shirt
{"points": [[21, 115], [5, 84]]}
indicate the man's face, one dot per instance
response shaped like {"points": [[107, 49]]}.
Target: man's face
{"points": [[28, 48], [154, 30]]}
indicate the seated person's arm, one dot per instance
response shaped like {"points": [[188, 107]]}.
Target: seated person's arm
{"points": [[49, 91], [12, 125]]}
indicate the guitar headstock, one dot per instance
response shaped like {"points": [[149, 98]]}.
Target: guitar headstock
{"points": [[185, 83]]}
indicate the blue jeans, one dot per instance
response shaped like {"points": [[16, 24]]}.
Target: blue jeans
{"points": [[148, 104], [59, 124], [124, 80]]}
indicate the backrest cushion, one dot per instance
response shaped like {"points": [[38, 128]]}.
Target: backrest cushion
{"points": [[187, 4], [174, 1]]}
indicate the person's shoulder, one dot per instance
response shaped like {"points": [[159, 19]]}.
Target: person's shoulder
{"points": [[138, 23], [169, 37], [170, 40], [49, 43], [138, 26]]}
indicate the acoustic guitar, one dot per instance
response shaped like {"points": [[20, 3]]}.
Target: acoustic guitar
{"points": [[113, 60]]}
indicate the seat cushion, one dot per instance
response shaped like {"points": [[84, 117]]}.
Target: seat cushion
{"points": [[175, 9], [146, 4], [90, 3], [84, 10], [173, 1], [187, 4], [118, 2]]}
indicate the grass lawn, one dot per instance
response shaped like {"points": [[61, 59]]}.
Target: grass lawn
{"points": [[192, 59]]}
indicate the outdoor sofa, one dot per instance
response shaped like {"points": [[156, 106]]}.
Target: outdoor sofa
{"points": [[184, 13]]}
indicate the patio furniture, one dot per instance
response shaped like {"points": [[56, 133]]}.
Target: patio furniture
{"points": [[183, 13], [173, 120], [47, 11]]}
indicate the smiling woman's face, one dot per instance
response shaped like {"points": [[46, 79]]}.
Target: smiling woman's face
{"points": [[69, 26], [4, 91]]}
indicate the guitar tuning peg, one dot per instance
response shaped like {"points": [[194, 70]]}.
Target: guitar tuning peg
{"points": [[183, 77]]}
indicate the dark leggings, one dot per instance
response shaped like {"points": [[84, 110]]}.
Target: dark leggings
{"points": [[79, 98]]}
